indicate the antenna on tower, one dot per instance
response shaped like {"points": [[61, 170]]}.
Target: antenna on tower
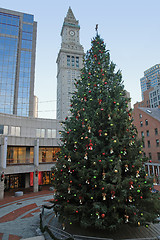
{"points": [[96, 28]]}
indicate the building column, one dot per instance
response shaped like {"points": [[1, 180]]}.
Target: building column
{"points": [[153, 170], [148, 170], [3, 164], [36, 165], [27, 180]]}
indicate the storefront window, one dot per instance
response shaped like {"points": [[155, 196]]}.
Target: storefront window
{"points": [[48, 154], [20, 155]]}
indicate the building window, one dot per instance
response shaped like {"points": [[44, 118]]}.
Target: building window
{"points": [[20, 155], [68, 60], [142, 134], [40, 133], [156, 131], [146, 121], [149, 144], [72, 61], [77, 62], [158, 156], [51, 133], [140, 115], [48, 154], [144, 154], [157, 142], [150, 156], [141, 123], [3, 130], [147, 132], [143, 143], [15, 131]]}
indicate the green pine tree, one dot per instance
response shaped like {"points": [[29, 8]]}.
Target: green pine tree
{"points": [[100, 179]]}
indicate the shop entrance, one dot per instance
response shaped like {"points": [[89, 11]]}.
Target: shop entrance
{"points": [[14, 181]]}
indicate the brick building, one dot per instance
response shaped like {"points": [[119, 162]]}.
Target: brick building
{"points": [[147, 122]]}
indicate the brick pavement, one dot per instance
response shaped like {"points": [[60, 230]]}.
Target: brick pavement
{"points": [[19, 216]]}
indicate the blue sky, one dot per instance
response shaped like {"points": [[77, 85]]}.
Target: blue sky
{"points": [[130, 29]]}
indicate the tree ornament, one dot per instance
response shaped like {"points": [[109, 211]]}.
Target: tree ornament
{"points": [[111, 151], [85, 156], [131, 185], [126, 168], [69, 189], [98, 216], [63, 226], [87, 181], [103, 215], [69, 158], [83, 124], [139, 223], [100, 132], [80, 200], [90, 145], [116, 171], [112, 194], [104, 196], [75, 145], [137, 174], [89, 129], [100, 101], [126, 218], [130, 198], [103, 175]]}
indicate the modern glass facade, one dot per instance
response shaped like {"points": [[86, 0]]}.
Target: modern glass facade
{"points": [[151, 78], [17, 62]]}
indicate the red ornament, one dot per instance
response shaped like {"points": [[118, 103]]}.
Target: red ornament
{"points": [[100, 132], [89, 91], [99, 63], [99, 100], [90, 146], [103, 154], [102, 215], [105, 83], [100, 160], [102, 109]]}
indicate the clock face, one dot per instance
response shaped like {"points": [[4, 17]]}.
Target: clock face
{"points": [[71, 32]]}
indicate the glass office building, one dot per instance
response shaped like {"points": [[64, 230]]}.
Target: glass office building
{"points": [[17, 62], [151, 78]]}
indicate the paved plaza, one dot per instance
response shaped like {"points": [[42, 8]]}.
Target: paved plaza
{"points": [[19, 216]]}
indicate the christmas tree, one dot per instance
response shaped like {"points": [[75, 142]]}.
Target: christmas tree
{"points": [[100, 179]]}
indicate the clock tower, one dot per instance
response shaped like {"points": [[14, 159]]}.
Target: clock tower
{"points": [[69, 64]]}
